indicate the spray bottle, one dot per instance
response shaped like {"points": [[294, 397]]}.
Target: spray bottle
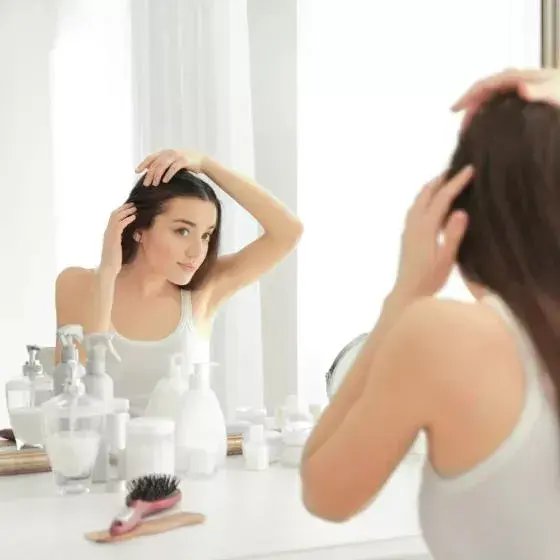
{"points": [[68, 336], [99, 385]]}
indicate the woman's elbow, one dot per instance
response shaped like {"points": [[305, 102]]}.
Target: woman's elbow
{"points": [[319, 502]]}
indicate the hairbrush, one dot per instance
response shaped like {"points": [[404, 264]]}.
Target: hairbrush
{"points": [[146, 495]]}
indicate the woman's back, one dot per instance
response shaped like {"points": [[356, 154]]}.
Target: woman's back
{"points": [[507, 504]]}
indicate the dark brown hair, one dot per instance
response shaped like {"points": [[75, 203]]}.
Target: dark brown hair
{"points": [[512, 242], [150, 201]]}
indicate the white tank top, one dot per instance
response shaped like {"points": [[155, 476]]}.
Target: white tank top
{"points": [[144, 362], [508, 506]]}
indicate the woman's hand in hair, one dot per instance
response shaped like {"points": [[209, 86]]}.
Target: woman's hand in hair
{"points": [[426, 260], [111, 255], [541, 84], [162, 166]]}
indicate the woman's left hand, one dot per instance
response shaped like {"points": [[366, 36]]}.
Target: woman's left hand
{"points": [[163, 165]]}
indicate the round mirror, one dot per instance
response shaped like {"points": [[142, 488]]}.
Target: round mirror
{"points": [[342, 364]]}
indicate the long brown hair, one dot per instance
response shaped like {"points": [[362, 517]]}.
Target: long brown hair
{"points": [[512, 242], [150, 201]]}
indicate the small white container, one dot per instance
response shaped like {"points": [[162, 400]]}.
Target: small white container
{"points": [[255, 449], [150, 447], [294, 438]]}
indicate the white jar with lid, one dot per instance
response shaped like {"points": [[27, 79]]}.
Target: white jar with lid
{"points": [[294, 438], [150, 447]]}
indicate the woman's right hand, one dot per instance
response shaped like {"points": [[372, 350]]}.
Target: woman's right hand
{"points": [[542, 84], [111, 255]]}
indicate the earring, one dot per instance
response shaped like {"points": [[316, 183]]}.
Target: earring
{"points": [[136, 237]]}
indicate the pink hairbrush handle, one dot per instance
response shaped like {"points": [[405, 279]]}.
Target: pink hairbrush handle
{"points": [[130, 517]]}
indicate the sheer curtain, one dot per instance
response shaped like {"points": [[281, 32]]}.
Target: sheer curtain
{"points": [[375, 83], [191, 79]]}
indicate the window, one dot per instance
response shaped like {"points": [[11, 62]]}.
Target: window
{"points": [[92, 125], [375, 83]]}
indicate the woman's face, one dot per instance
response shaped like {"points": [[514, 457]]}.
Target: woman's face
{"points": [[177, 242]]}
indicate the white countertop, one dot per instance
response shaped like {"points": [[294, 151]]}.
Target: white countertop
{"points": [[250, 516]]}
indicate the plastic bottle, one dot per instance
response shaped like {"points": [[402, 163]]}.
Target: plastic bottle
{"points": [[165, 399], [201, 435], [256, 450], [67, 336], [74, 425]]}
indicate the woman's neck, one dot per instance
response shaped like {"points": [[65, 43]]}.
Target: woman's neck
{"points": [[142, 282]]}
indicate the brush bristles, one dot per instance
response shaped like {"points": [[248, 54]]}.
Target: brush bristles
{"points": [[152, 487]]}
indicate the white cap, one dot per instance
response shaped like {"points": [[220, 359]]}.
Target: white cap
{"points": [[150, 426]]}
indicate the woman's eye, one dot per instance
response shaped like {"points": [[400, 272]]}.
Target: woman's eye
{"points": [[207, 236], [183, 232]]}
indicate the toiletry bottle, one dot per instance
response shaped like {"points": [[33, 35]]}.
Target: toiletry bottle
{"points": [[99, 385], [165, 399], [24, 395], [67, 336], [255, 449], [74, 424], [200, 426], [41, 382]]}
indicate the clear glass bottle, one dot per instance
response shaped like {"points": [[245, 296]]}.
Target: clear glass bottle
{"points": [[73, 425]]}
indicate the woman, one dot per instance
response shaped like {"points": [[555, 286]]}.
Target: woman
{"points": [[474, 376], [160, 281]]}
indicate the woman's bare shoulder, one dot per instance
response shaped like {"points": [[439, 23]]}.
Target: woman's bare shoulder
{"points": [[74, 281], [464, 345]]}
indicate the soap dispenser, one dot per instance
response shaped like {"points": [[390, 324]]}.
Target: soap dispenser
{"points": [[68, 336], [73, 425], [24, 395], [41, 382], [201, 435], [165, 399]]}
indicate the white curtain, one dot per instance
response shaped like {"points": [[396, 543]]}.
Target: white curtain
{"points": [[191, 80]]}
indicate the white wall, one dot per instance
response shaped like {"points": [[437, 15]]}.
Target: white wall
{"points": [[27, 230], [375, 83]]}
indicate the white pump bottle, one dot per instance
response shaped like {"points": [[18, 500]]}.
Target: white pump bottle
{"points": [[201, 434]]}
